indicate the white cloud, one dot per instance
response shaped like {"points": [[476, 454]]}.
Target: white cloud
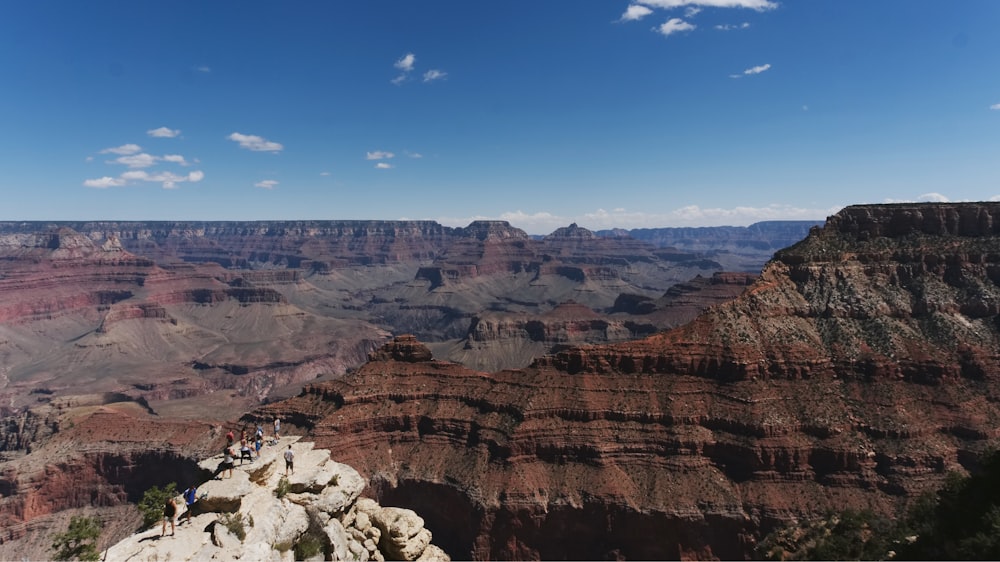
{"points": [[104, 183], [255, 143], [413, 154], [324, 173], [383, 166], [674, 25], [731, 26], [169, 180], [141, 160], [379, 155], [752, 70], [266, 184], [123, 149], [635, 12], [399, 79], [175, 158], [406, 62], [759, 5], [163, 132], [204, 69], [691, 11], [995, 106], [435, 74]]}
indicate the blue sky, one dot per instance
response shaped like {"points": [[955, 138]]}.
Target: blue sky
{"points": [[605, 113]]}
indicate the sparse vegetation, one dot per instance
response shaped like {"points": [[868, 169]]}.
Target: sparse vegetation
{"points": [[283, 487], [151, 505], [959, 522], [237, 524], [307, 546], [79, 542]]}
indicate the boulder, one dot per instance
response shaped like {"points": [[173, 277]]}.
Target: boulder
{"points": [[403, 534], [224, 496]]}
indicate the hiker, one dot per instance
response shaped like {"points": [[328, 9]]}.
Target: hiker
{"points": [[289, 460], [259, 443], [190, 497], [245, 451], [277, 429], [230, 438], [226, 464], [169, 511], [260, 431]]}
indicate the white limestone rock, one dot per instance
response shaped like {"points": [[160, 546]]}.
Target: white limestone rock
{"points": [[403, 534], [224, 496]]}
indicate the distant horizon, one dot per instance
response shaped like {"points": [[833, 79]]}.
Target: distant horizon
{"points": [[466, 225], [625, 113]]}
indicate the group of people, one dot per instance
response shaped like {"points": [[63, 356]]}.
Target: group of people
{"points": [[249, 449], [170, 509]]}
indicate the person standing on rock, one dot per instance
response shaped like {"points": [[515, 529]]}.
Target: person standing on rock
{"points": [[227, 462], [277, 428], [230, 438], [190, 496], [169, 511], [289, 460]]}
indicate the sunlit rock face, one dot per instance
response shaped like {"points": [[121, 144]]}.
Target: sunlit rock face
{"points": [[856, 371]]}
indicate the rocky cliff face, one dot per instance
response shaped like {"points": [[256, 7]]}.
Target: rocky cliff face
{"points": [[860, 367]]}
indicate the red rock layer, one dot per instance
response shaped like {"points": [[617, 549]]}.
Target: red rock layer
{"points": [[861, 367]]}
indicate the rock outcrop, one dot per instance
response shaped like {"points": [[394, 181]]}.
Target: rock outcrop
{"points": [[861, 367], [261, 513]]}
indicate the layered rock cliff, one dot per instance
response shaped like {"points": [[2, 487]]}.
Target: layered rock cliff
{"points": [[861, 367]]}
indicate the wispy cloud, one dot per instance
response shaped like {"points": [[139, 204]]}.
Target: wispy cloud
{"points": [[673, 25], [752, 70], [104, 182], [266, 184], [141, 160], [175, 158], [204, 69], [383, 166], [413, 154], [324, 174], [995, 106], [379, 155], [759, 5], [163, 132], [691, 11], [405, 63], [635, 12], [731, 26], [123, 149], [168, 180], [932, 197], [256, 143], [435, 74]]}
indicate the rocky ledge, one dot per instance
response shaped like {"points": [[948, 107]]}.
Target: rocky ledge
{"points": [[258, 513]]}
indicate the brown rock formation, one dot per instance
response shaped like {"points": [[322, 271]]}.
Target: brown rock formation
{"points": [[99, 460], [861, 367]]}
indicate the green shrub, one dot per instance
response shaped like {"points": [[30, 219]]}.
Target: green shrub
{"points": [[236, 524], [307, 546], [283, 487], [79, 542], [151, 505]]}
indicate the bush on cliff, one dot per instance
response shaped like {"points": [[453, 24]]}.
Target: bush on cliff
{"points": [[961, 521], [151, 505], [79, 542]]}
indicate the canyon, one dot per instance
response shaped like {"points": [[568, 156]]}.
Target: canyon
{"points": [[126, 346], [857, 371]]}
